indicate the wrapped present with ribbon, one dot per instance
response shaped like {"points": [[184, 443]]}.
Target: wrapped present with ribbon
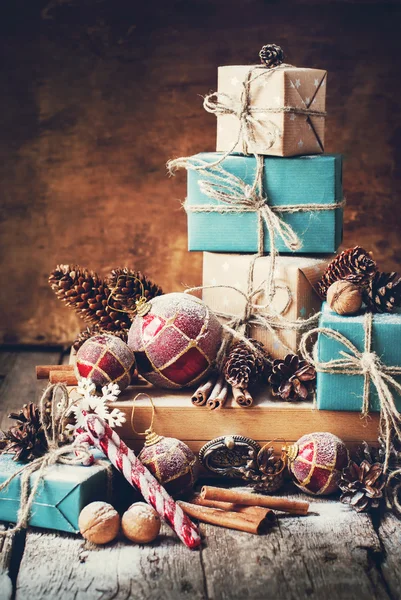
{"points": [[272, 108], [62, 492], [51, 490], [262, 204], [225, 291], [358, 364]]}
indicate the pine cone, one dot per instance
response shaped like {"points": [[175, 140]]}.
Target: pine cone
{"points": [[291, 378], [26, 440], [271, 55], [89, 296], [129, 286], [243, 365], [362, 485], [354, 265], [95, 330], [383, 293], [263, 470]]}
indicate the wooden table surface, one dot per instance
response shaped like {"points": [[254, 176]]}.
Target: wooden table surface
{"points": [[332, 553]]}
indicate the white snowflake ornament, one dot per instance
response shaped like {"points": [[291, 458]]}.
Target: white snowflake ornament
{"points": [[89, 402]]}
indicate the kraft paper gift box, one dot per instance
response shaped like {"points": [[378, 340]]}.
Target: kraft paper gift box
{"points": [[345, 392], [286, 181], [274, 132], [61, 495], [299, 274]]}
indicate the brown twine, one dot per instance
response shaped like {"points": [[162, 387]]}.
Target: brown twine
{"points": [[220, 103], [368, 364], [55, 454]]}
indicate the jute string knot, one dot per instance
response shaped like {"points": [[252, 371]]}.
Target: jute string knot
{"points": [[70, 454], [369, 361], [368, 364]]}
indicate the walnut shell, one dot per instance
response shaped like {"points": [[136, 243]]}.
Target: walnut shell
{"points": [[99, 522], [141, 523], [344, 297]]}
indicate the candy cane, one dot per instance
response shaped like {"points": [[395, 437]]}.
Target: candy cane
{"points": [[137, 475]]}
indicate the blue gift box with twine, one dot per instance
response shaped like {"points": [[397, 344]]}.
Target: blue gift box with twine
{"points": [[286, 182], [62, 494], [336, 391]]}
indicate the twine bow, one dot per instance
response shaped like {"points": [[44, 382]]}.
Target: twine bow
{"points": [[220, 103], [368, 364], [70, 454]]}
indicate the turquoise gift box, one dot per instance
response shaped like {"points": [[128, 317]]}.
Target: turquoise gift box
{"points": [[286, 181], [345, 392], [61, 495]]}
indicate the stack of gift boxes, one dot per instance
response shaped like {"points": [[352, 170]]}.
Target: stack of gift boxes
{"points": [[295, 175], [273, 120]]}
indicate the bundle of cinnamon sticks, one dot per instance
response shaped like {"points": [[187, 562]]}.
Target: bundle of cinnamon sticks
{"points": [[239, 509]]}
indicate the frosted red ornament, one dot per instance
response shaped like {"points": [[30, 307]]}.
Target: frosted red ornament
{"points": [[105, 359], [176, 341], [315, 462], [171, 461]]}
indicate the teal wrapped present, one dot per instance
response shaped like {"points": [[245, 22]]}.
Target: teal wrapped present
{"points": [[62, 494], [354, 351], [232, 206]]}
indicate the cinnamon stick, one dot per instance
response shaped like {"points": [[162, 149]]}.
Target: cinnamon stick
{"points": [[43, 371], [218, 395], [295, 507], [201, 395], [253, 511], [242, 397], [63, 377], [222, 518]]}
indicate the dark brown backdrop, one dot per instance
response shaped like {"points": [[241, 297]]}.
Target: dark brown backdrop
{"points": [[96, 96]]}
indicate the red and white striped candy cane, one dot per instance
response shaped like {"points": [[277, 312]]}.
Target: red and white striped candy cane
{"points": [[138, 476]]}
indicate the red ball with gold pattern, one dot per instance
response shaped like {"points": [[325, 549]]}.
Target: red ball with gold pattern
{"points": [[315, 462], [176, 341], [171, 461], [104, 359]]}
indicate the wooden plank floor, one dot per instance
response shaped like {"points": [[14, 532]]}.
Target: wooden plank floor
{"points": [[331, 553]]}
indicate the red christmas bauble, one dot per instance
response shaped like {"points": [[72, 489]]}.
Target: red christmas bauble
{"points": [[172, 463], [315, 462], [105, 359], [176, 341]]}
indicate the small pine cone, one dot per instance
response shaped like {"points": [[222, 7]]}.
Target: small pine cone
{"points": [[271, 55], [245, 366], [383, 293], [264, 471], [95, 330], [291, 378], [26, 440], [354, 265], [362, 485], [89, 296], [129, 286]]}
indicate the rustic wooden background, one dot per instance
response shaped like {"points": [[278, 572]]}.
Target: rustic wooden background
{"points": [[96, 96]]}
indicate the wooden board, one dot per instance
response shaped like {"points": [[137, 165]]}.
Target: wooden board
{"points": [[99, 94], [268, 419]]}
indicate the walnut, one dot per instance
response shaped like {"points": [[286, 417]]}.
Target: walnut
{"points": [[344, 297], [99, 522]]}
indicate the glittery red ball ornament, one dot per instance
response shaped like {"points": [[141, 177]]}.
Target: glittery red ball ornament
{"points": [[105, 359], [171, 461], [176, 341], [315, 462]]}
